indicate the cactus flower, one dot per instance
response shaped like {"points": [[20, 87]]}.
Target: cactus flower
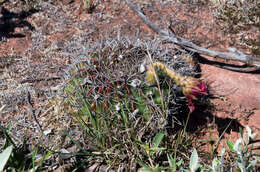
{"points": [[191, 87]]}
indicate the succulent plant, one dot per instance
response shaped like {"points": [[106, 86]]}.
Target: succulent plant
{"points": [[190, 86], [118, 75]]}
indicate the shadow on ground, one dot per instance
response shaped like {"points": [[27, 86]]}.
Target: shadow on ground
{"points": [[232, 67], [201, 117], [224, 125], [11, 20]]}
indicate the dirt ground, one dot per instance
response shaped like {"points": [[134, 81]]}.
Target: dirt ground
{"points": [[31, 59]]}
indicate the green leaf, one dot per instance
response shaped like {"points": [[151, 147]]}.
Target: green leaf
{"points": [[9, 140], [245, 150], [238, 146], [147, 169], [86, 109], [194, 161], [179, 163], [34, 158], [154, 149], [171, 162], [230, 145], [157, 139], [4, 156], [45, 156], [124, 116], [141, 163]]}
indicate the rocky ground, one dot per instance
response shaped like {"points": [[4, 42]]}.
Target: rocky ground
{"points": [[41, 39]]}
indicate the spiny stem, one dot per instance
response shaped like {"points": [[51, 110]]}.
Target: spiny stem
{"points": [[156, 78]]}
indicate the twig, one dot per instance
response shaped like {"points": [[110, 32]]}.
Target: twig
{"points": [[39, 79], [32, 111], [155, 75], [171, 37], [244, 68]]}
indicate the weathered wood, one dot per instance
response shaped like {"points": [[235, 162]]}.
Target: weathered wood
{"points": [[252, 62]]}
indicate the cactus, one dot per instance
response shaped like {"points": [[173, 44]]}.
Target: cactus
{"points": [[110, 79], [191, 87]]}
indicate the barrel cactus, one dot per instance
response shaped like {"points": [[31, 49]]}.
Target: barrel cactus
{"points": [[137, 79], [121, 73]]}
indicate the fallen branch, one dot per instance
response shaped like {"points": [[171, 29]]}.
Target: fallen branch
{"points": [[253, 62], [39, 79]]}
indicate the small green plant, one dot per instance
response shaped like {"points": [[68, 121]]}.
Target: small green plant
{"points": [[244, 159], [121, 110], [18, 157], [124, 109], [151, 151], [89, 5]]}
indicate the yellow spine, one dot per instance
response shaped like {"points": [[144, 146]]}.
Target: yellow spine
{"points": [[150, 74], [185, 83]]}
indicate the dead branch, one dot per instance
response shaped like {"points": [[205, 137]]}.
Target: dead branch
{"points": [[39, 79], [252, 62], [32, 110]]}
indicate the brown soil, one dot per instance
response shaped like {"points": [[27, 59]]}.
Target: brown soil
{"points": [[237, 95]]}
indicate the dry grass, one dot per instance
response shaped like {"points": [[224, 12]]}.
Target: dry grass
{"points": [[121, 124]]}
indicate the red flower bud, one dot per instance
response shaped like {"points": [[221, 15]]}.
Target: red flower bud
{"points": [[108, 89], [93, 76], [90, 91], [100, 90], [84, 69], [127, 89]]}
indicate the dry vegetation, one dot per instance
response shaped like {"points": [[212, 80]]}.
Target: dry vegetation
{"points": [[238, 17], [79, 98]]}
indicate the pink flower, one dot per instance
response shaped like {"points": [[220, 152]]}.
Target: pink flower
{"points": [[190, 104], [193, 88], [200, 89]]}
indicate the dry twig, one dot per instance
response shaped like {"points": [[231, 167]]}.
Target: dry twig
{"points": [[39, 79], [252, 62], [32, 110]]}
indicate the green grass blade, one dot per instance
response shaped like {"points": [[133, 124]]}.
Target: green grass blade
{"points": [[141, 163], [46, 156], [123, 114], [8, 137], [34, 158], [90, 115], [157, 139], [171, 162], [4, 156], [74, 141], [230, 145]]}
